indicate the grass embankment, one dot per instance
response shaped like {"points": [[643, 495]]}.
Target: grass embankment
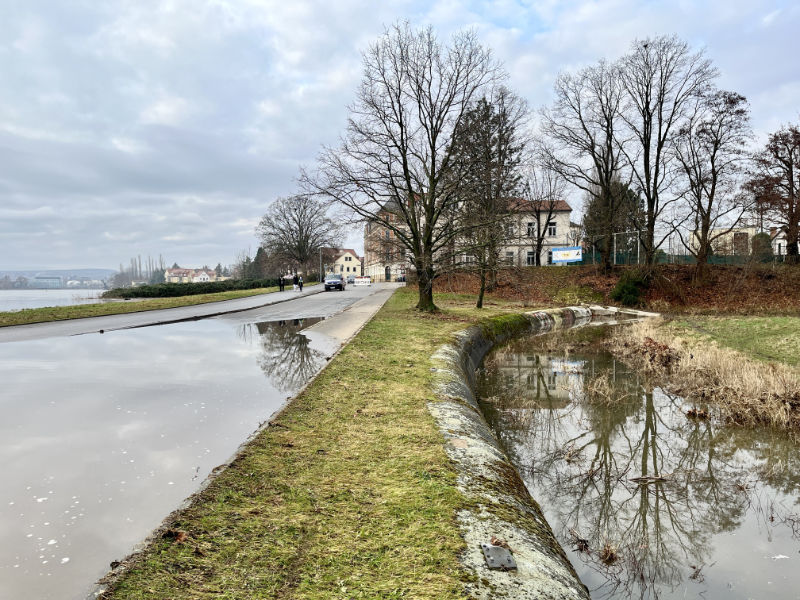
{"points": [[753, 289], [79, 311], [763, 338], [347, 494]]}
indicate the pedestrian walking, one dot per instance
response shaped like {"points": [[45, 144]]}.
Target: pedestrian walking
{"points": [[294, 282], [281, 283], [300, 283]]}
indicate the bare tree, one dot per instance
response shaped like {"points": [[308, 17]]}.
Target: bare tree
{"points": [[662, 78], [542, 194], [488, 146], [775, 183], [295, 229], [582, 141], [393, 166], [710, 149]]}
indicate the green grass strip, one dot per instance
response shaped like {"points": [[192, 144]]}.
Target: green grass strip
{"points": [[762, 338], [348, 494]]}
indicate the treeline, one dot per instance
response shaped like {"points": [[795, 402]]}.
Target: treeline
{"points": [[170, 290]]}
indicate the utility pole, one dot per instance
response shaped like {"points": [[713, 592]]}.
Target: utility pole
{"points": [[321, 275]]}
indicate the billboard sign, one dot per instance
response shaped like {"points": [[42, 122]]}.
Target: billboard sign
{"points": [[567, 255]]}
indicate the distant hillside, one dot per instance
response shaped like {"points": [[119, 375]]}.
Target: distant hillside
{"points": [[63, 273]]}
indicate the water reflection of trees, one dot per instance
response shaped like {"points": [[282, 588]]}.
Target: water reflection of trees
{"points": [[286, 358], [635, 473]]}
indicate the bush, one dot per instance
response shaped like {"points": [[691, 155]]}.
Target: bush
{"points": [[171, 290], [630, 288]]}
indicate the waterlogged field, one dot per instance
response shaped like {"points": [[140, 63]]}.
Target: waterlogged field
{"points": [[649, 494]]}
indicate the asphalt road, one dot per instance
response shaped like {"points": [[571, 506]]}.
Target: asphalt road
{"points": [[313, 302]]}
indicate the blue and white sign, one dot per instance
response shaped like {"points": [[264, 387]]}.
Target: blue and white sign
{"points": [[566, 255]]}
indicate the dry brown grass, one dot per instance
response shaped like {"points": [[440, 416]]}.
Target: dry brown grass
{"points": [[747, 391]]}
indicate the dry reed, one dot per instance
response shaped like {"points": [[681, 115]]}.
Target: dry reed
{"points": [[746, 391]]}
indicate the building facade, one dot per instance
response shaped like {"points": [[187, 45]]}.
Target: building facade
{"points": [[347, 263], [385, 259]]}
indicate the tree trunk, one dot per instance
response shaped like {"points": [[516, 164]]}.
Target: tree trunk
{"points": [[482, 277], [425, 275], [605, 254], [701, 269], [792, 234]]}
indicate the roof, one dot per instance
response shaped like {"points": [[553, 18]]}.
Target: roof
{"points": [[524, 205], [343, 251]]}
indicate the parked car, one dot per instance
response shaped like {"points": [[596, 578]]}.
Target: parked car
{"points": [[334, 281], [351, 279]]}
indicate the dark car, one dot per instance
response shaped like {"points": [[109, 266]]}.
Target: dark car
{"points": [[351, 279], [334, 282]]}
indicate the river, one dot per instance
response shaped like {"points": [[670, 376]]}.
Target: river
{"points": [[647, 501], [11, 300]]}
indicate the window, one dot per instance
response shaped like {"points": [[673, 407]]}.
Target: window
{"points": [[549, 257], [551, 229], [348, 258], [530, 259], [510, 258], [387, 234], [509, 230], [551, 381], [531, 229]]}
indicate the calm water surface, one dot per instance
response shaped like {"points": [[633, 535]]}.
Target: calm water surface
{"points": [[101, 436], [19, 299], [692, 508]]}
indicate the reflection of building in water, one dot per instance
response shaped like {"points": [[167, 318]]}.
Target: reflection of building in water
{"points": [[537, 378]]}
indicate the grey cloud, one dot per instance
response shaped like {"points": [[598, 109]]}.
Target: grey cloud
{"points": [[131, 127]]}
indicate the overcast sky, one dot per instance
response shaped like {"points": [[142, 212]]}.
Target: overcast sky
{"points": [[136, 127]]}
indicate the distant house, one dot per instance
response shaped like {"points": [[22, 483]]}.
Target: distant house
{"points": [[736, 242], [42, 283], [191, 275], [385, 259], [779, 243], [347, 263]]}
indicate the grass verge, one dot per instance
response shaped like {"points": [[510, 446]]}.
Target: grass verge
{"points": [[347, 494], [764, 338], [80, 311]]}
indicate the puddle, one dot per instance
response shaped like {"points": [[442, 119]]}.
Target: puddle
{"points": [[104, 435], [691, 508]]}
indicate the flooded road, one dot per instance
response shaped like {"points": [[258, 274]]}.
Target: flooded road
{"points": [[647, 501], [102, 436]]}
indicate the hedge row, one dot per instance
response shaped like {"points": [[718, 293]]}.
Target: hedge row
{"points": [[170, 290]]}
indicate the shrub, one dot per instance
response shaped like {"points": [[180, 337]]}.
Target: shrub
{"points": [[171, 290], [630, 288]]}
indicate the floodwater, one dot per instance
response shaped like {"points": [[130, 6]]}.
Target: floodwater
{"points": [[12, 300], [689, 508], [101, 436]]}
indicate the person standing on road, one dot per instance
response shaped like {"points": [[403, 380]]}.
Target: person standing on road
{"points": [[294, 282], [281, 283], [300, 282]]}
